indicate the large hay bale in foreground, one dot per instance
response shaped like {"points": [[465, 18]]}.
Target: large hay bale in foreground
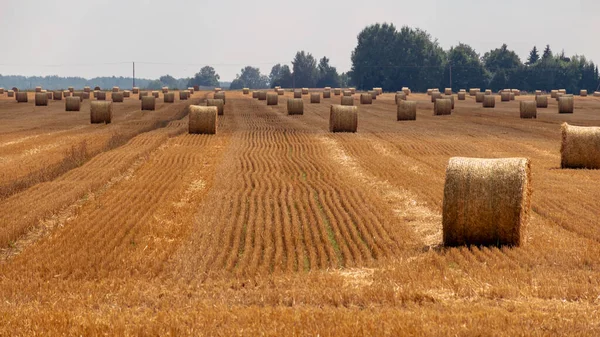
{"points": [[220, 95], [580, 147], [272, 99], [117, 97], [295, 106], [21, 97], [10, 93], [343, 118], [183, 95], [528, 109], [100, 112], [297, 94], [583, 93], [246, 91], [148, 103], [41, 99], [505, 96], [566, 105], [366, 99], [315, 97], [541, 101], [346, 100], [400, 97], [462, 96], [407, 111], [443, 106], [72, 104], [435, 95], [326, 94], [489, 101], [169, 97], [57, 95], [486, 201], [202, 119], [262, 95], [135, 90], [219, 103], [101, 96]]}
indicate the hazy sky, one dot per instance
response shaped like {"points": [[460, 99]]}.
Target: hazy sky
{"points": [[101, 38]]}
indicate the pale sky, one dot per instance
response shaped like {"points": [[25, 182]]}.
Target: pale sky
{"points": [[102, 38]]}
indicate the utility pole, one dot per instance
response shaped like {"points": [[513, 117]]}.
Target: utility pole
{"points": [[133, 75]]}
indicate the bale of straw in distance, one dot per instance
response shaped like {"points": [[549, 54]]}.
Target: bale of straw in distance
{"points": [[562, 91], [220, 95], [327, 89], [38, 89], [443, 106], [378, 90], [218, 103], [72, 104], [517, 92], [57, 95], [255, 94], [304, 91], [295, 106], [505, 96], [142, 94], [246, 91], [489, 101], [580, 147], [100, 112], [528, 109], [435, 96], [272, 99], [165, 90], [406, 90], [1, 91], [366, 99], [326, 94], [400, 97], [486, 201], [44, 91], [596, 93], [315, 97], [101, 96], [559, 95], [448, 91], [583, 93], [41, 99], [262, 95], [148, 103], [347, 100], [10, 93], [343, 118], [21, 97], [541, 101], [202, 119], [538, 92], [276, 88], [511, 96], [85, 95], [473, 92], [353, 91], [280, 92], [297, 94], [462, 96], [66, 93], [337, 91], [554, 94], [373, 94], [451, 98], [87, 89], [429, 92], [49, 94], [169, 97], [115, 89], [566, 105], [117, 97], [71, 89], [126, 93], [407, 111], [78, 94], [488, 92], [135, 90], [97, 88], [183, 95], [191, 90], [347, 93], [15, 89], [196, 88], [156, 94]]}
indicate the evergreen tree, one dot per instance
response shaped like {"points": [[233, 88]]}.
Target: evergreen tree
{"points": [[534, 56], [547, 53]]}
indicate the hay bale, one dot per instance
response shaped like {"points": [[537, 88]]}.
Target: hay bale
{"points": [[559, 95], [191, 90], [41, 99], [327, 89], [429, 92], [511, 96], [304, 91], [72, 104], [38, 89], [517, 92], [165, 90], [462, 96], [1, 91], [219, 103], [448, 91], [407, 110], [66, 93], [135, 90], [541, 101], [488, 92], [326, 94], [276, 88], [44, 91], [596, 93], [353, 91], [100, 112], [202, 119], [183, 95], [97, 88], [435, 95], [87, 89], [156, 94], [196, 88], [489, 101], [117, 97], [583, 93], [366, 99], [71, 89], [505, 96], [255, 94], [21, 97], [400, 97], [379, 91], [57, 95], [220, 95], [85, 95], [142, 94], [538, 92], [451, 98], [337, 91], [78, 94], [346, 93], [554, 94], [272, 99], [348, 101], [580, 147], [246, 91], [297, 94], [343, 118], [443, 106], [473, 92], [280, 92], [148, 103], [126, 93], [49, 95], [10, 93], [566, 105], [101, 96], [115, 89], [406, 91], [169, 97], [262, 95], [295, 106], [562, 91], [373, 94], [15, 89], [315, 97], [528, 109], [486, 201]]}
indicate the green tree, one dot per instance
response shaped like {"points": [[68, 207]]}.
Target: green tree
{"points": [[305, 70], [547, 53], [467, 69], [501, 58], [328, 75], [275, 75], [250, 77], [345, 80], [281, 76], [499, 80], [207, 77], [534, 56]]}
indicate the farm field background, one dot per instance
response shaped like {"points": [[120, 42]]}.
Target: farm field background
{"points": [[276, 226]]}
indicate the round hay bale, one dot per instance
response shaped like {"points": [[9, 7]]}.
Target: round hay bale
{"points": [[57, 95], [169, 97], [41, 99], [326, 94], [488, 92], [297, 94], [255, 94], [511, 96], [528, 109], [347, 100], [347, 93], [1, 91], [49, 95], [196, 88], [191, 90], [562, 91], [596, 93], [44, 91], [517, 92], [304, 91], [435, 95], [148, 103], [407, 110], [429, 92], [400, 97], [489, 101], [156, 94], [554, 94], [246, 91], [505, 96], [353, 91], [373, 94], [272, 99], [295, 106], [538, 92], [72, 104], [473, 92], [100, 112], [486, 201], [451, 98], [87, 89], [580, 147], [583, 93], [327, 89], [462, 96], [366, 99], [21, 97], [66, 93], [135, 90], [448, 91], [220, 95], [280, 92], [101, 96], [183, 95], [337, 91], [262, 95], [219, 103], [379, 91], [343, 118], [566, 105], [559, 95], [202, 119], [117, 97], [38, 89], [276, 88], [443, 106], [126, 93], [71, 89], [85, 95], [78, 94], [406, 90], [10, 93], [142, 94], [541, 101], [315, 97], [96, 88], [165, 90], [115, 89]]}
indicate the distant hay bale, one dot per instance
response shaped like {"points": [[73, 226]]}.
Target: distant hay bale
{"points": [[315, 97], [327, 89], [148, 103], [538, 92], [541, 101], [100, 112], [196, 87], [1, 91], [511, 96], [101, 96], [580, 147], [95, 88], [272, 99], [202, 119], [219, 103], [448, 91], [169, 97], [337, 91], [473, 91], [429, 92], [559, 95], [528, 109], [400, 97], [117, 97], [156, 94], [486, 201], [21, 97], [326, 94], [87, 89], [443, 106], [406, 90], [295, 106], [246, 91], [85, 95], [488, 92], [280, 92], [71, 89], [297, 94], [220, 95], [562, 91], [126, 93], [58, 95], [38, 89], [517, 92], [78, 94], [44, 91], [41, 99], [262, 95], [10, 93], [346, 93], [49, 95], [583, 93], [183, 95], [435, 95], [276, 88], [135, 90], [373, 94], [115, 89], [353, 91], [407, 110], [191, 90], [505, 96], [489, 101], [255, 94], [66, 93], [343, 118], [566, 105], [366, 99], [379, 91], [165, 90], [304, 91], [347, 100], [596, 93], [15, 89], [554, 94], [72, 104], [462, 96]]}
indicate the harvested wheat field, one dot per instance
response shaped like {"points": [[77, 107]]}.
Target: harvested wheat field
{"points": [[276, 226]]}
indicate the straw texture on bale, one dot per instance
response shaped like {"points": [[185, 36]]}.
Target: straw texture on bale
{"points": [[583, 93], [87, 89], [366, 99], [22, 97], [101, 95], [435, 96], [337, 91], [72, 104], [541, 101], [373, 94], [202, 119], [528, 109], [448, 91], [10, 93], [135, 90], [49, 95], [451, 98], [183, 95], [400, 97], [580, 147], [295, 106], [126, 93], [462, 96], [407, 111], [255, 94], [347, 100], [505, 96], [486, 201], [218, 103], [489, 101], [566, 105], [343, 118], [346, 93], [297, 94], [246, 91], [220, 95], [272, 99], [117, 97], [100, 112], [169, 97], [327, 89], [511, 96], [443, 106], [326, 94], [473, 92], [41, 99], [315, 98], [148, 103], [304, 91], [280, 92]]}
